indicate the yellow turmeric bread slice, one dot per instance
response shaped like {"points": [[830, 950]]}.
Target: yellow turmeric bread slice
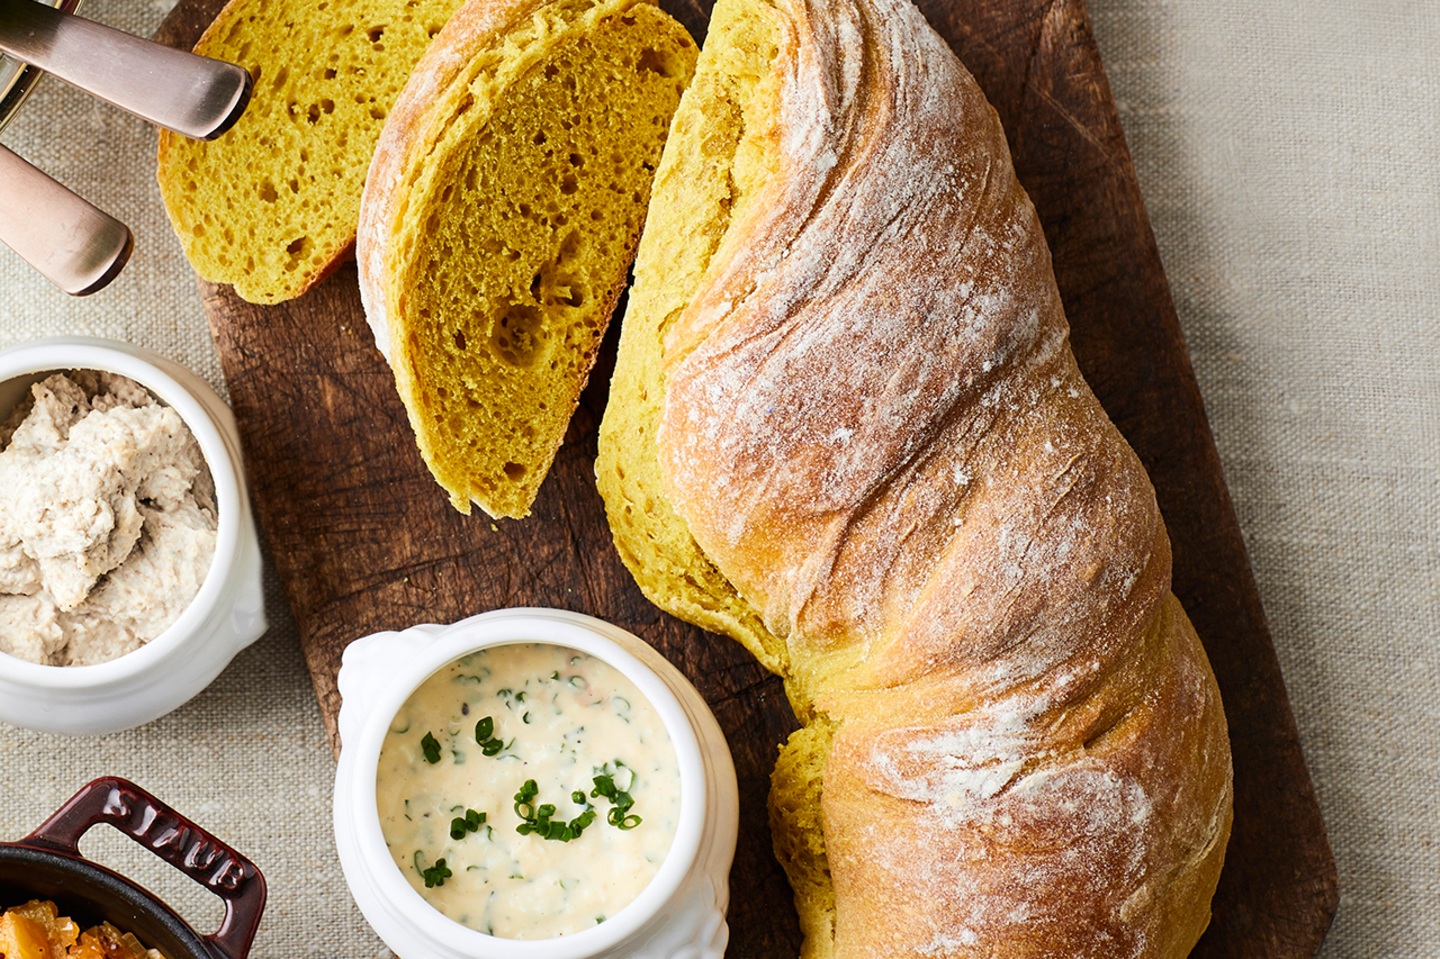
{"points": [[500, 216], [271, 206], [720, 151]]}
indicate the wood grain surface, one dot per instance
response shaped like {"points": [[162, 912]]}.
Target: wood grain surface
{"points": [[365, 540]]}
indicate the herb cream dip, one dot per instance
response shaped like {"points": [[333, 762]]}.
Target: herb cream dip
{"points": [[528, 791]]}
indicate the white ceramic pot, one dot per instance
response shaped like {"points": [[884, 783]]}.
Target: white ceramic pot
{"points": [[226, 615], [679, 915]]}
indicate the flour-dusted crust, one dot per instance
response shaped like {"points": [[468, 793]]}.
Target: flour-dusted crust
{"points": [[874, 426]]}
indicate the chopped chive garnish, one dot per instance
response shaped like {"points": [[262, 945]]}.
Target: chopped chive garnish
{"points": [[485, 729], [468, 823], [620, 800], [434, 875], [537, 819], [431, 747], [578, 797], [524, 808], [485, 737]]}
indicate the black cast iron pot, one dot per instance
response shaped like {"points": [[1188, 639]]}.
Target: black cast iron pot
{"points": [[47, 865]]}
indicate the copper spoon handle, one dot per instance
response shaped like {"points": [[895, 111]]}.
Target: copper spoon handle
{"points": [[77, 246], [191, 95]]}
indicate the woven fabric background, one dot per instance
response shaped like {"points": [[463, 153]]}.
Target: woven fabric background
{"points": [[1289, 152]]}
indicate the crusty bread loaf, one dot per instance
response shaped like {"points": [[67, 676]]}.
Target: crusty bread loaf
{"points": [[846, 427], [499, 220], [271, 206]]}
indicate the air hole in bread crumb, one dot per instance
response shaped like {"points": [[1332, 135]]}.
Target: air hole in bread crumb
{"points": [[280, 78], [298, 249], [519, 338], [654, 61], [375, 33], [459, 339], [516, 471], [569, 184], [267, 192]]}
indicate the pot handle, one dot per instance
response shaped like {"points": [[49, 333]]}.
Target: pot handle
{"points": [[173, 838]]}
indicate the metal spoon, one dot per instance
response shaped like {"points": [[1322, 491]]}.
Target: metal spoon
{"points": [[77, 246], [192, 95]]}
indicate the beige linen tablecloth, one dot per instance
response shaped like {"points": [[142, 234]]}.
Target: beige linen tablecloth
{"points": [[1289, 152]]}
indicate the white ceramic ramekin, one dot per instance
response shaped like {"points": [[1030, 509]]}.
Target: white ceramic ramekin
{"points": [[680, 915], [227, 614]]}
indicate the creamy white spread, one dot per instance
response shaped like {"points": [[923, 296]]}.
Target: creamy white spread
{"points": [[568, 723], [107, 520]]}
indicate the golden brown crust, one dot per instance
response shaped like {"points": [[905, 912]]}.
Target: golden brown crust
{"points": [[874, 427]]}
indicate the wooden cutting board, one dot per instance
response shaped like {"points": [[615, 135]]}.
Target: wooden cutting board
{"points": [[365, 540]]}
